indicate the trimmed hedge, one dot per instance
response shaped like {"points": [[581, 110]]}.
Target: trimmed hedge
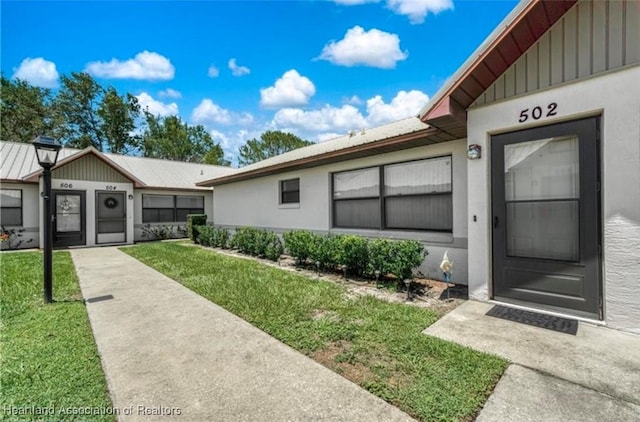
{"points": [[213, 236], [257, 242], [360, 255], [193, 221]]}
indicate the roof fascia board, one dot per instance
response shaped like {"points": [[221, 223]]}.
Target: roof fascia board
{"points": [[477, 56]]}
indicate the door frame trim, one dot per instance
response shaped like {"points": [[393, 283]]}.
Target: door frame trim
{"points": [[601, 310], [124, 193], [83, 215]]}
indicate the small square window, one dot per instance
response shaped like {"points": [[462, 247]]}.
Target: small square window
{"points": [[290, 191]]}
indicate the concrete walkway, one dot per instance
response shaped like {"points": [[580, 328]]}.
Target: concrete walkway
{"points": [[170, 354], [593, 376]]}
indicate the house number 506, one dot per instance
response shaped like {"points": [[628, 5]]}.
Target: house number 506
{"points": [[537, 112]]}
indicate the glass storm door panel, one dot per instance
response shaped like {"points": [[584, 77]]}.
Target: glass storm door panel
{"points": [[69, 221], [111, 212], [546, 233]]}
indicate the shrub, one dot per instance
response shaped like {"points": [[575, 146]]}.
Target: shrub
{"points": [[274, 247], [299, 244], [354, 253], [326, 250], [13, 238], [398, 257], [205, 235], [220, 238], [162, 232], [194, 220], [257, 242]]}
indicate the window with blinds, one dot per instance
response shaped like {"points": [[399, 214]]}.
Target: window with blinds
{"points": [[170, 208], [290, 191], [415, 195]]}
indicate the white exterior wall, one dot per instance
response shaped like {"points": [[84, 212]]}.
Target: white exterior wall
{"points": [[90, 189], [137, 207], [255, 203], [616, 97], [30, 214]]}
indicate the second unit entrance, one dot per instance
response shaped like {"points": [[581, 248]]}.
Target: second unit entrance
{"points": [[111, 217]]}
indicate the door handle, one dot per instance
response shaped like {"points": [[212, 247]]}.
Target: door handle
{"points": [[495, 221]]}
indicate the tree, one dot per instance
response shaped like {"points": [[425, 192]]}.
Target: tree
{"points": [[94, 116], [26, 111], [118, 120], [171, 139], [271, 143], [77, 103]]}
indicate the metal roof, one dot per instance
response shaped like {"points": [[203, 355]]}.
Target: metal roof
{"points": [[332, 150], [18, 161]]}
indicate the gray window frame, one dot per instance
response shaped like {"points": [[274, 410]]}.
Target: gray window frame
{"points": [[381, 197], [175, 209], [13, 208], [282, 191]]}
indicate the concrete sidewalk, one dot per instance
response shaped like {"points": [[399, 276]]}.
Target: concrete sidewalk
{"points": [[170, 354], [593, 376]]}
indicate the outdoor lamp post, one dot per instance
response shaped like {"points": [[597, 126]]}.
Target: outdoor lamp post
{"points": [[47, 150]]}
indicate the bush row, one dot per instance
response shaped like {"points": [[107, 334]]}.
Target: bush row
{"points": [[360, 256], [248, 240]]}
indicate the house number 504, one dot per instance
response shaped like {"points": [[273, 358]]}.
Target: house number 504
{"points": [[538, 112]]}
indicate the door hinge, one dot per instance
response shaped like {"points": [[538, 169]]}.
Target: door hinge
{"points": [[598, 187], [600, 310], [599, 250]]}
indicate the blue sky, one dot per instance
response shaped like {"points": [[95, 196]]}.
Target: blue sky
{"points": [[314, 68]]}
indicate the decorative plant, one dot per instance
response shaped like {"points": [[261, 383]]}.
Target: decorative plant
{"points": [[194, 220], [13, 238], [162, 232]]}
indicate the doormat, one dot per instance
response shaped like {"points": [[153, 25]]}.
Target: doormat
{"points": [[563, 325]]}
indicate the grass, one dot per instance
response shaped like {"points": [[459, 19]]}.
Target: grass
{"points": [[49, 358], [376, 344]]}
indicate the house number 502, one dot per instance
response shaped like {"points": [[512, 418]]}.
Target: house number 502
{"points": [[537, 112]]}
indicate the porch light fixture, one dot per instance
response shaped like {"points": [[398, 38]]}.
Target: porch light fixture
{"points": [[47, 150], [474, 152]]}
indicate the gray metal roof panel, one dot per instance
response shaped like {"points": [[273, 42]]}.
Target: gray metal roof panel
{"points": [[19, 160]]}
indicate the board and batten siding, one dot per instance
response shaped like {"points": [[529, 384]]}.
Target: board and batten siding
{"points": [[90, 168], [592, 37]]}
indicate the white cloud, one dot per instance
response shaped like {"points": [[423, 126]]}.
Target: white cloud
{"points": [[208, 112], [38, 72], [325, 119], [169, 93], [354, 100], [373, 48], [238, 70], [145, 65], [417, 10], [290, 90], [155, 107], [329, 121], [213, 72], [404, 104]]}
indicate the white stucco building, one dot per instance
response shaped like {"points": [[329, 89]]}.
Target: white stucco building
{"points": [[98, 198], [546, 218]]}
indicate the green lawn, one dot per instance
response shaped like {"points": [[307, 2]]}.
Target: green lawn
{"points": [[48, 358], [376, 344]]}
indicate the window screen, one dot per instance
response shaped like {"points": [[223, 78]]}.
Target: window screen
{"points": [[170, 208]]}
